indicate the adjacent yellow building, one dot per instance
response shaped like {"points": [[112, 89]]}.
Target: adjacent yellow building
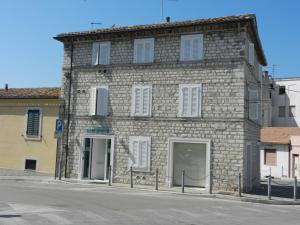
{"points": [[27, 123]]}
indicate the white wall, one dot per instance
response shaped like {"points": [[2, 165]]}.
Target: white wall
{"points": [[292, 97], [282, 166]]}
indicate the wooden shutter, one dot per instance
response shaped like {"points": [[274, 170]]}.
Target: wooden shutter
{"points": [[104, 53], [93, 101], [146, 101], [253, 104], [191, 47], [102, 101], [143, 157], [133, 153], [195, 96], [33, 123], [144, 50], [185, 100], [251, 53], [137, 100], [95, 53]]}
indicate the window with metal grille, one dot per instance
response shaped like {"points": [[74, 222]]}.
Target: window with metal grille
{"points": [[281, 111], [30, 164], [33, 123], [270, 157], [281, 90]]}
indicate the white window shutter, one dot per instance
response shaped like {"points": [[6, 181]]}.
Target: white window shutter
{"points": [[194, 101], [147, 52], [104, 53], [143, 157], [187, 49], [253, 104], [93, 99], [185, 100], [196, 49], [95, 53], [137, 101], [133, 153], [102, 101], [251, 53], [146, 101]]}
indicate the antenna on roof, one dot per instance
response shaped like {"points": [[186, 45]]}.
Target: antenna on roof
{"points": [[95, 23], [162, 8], [274, 69]]}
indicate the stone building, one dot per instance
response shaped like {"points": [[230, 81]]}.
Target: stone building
{"points": [[172, 96]]}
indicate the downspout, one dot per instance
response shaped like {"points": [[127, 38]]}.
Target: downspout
{"points": [[69, 106]]}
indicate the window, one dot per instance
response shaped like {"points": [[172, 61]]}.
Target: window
{"points": [[139, 153], [30, 164], [281, 90], [281, 111], [143, 50], [141, 100], [190, 100], [191, 47], [253, 104], [270, 157], [292, 111], [251, 52], [101, 53], [33, 123], [99, 101]]}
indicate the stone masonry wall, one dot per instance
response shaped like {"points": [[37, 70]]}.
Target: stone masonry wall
{"points": [[222, 74]]}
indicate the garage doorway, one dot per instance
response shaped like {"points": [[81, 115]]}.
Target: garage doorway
{"points": [[192, 156]]}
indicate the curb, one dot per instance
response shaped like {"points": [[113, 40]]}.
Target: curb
{"points": [[211, 196]]}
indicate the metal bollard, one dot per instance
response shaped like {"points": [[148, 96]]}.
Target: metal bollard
{"points": [[269, 186], [109, 175], [131, 179], [240, 185], [295, 188], [156, 179], [182, 182]]}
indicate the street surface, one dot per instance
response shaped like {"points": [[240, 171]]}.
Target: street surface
{"points": [[42, 204]]}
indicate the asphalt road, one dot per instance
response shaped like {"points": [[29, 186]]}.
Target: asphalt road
{"points": [[42, 204]]}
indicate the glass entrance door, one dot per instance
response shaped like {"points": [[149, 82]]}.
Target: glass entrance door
{"points": [[86, 157]]}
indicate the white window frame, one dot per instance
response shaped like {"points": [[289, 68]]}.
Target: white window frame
{"points": [[140, 139], [251, 53], [98, 54], [31, 158], [40, 124], [143, 41], [95, 113], [180, 106], [191, 37], [142, 87]]}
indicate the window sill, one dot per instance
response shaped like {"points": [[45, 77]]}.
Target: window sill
{"points": [[32, 138], [142, 63], [191, 61]]}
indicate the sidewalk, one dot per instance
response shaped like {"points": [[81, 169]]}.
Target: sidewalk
{"points": [[175, 190]]}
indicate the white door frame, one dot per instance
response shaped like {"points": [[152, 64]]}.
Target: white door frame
{"points": [[172, 141], [112, 148]]}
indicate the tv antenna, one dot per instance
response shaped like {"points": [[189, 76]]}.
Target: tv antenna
{"points": [[162, 7], [95, 23], [274, 68]]}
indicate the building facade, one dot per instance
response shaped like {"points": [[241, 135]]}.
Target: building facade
{"points": [[172, 96], [286, 102], [279, 153], [27, 118]]}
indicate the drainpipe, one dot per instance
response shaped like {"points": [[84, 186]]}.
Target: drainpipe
{"points": [[69, 106]]}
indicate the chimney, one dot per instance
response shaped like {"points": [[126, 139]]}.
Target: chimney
{"points": [[168, 19], [6, 87]]}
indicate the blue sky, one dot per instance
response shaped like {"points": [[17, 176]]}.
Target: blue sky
{"points": [[29, 57]]}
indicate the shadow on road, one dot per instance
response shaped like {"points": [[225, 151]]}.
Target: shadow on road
{"points": [[10, 216]]}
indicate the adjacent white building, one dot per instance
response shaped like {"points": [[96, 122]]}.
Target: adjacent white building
{"points": [[286, 102]]}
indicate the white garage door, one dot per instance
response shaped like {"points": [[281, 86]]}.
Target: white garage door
{"points": [[191, 158]]}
